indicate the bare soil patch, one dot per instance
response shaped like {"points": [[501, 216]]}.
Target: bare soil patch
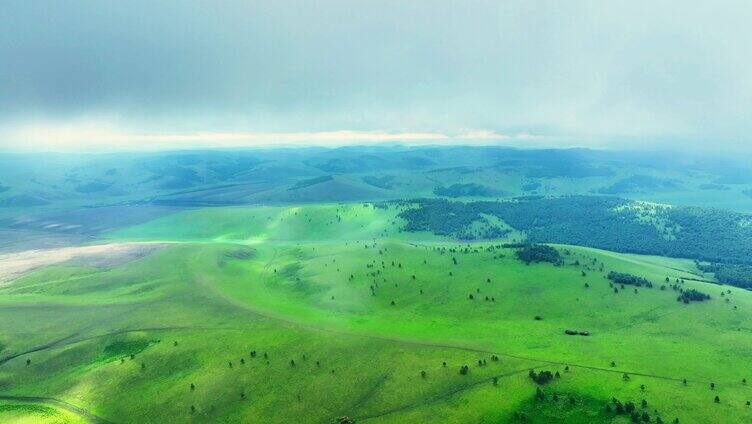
{"points": [[14, 265]]}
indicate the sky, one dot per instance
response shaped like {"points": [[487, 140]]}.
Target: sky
{"points": [[136, 75]]}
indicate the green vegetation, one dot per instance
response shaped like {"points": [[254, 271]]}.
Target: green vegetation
{"points": [[692, 295], [331, 312], [42, 184], [733, 274], [309, 287], [604, 222], [628, 279], [31, 412], [530, 253]]}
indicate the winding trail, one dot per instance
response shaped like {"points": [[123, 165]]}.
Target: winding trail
{"points": [[71, 340], [86, 415], [212, 292], [54, 343], [439, 397], [275, 257]]}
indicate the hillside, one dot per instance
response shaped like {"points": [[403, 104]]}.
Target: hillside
{"points": [[51, 182], [311, 313], [704, 234]]}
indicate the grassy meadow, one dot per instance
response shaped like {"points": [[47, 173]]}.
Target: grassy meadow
{"points": [[312, 313]]}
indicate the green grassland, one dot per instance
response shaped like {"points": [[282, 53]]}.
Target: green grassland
{"points": [[289, 224], [345, 312], [37, 412]]}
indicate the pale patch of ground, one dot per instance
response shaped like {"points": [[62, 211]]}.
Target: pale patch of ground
{"points": [[14, 265]]}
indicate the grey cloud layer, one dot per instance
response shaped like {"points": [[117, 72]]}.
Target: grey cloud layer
{"points": [[590, 69]]}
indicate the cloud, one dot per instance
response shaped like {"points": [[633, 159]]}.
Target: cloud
{"points": [[588, 72], [528, 136], [482, 135], [101, 135]]}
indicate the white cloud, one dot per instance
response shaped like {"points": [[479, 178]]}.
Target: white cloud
{"points": [[482, 135], [528, 136], [102, 135]]}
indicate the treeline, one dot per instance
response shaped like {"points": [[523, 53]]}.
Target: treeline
{"points": [[692, 295], [530, 253], [455, 221], [704, 234], [440, 217], [628, 279], [732, 274]]}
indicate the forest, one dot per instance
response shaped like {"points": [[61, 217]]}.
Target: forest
{"points": [[721, 237]]}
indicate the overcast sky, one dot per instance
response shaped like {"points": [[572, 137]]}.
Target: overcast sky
{"points": [[144, 74]]}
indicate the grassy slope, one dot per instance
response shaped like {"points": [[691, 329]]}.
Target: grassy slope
{"points": [[19, 412], [294, 297], [324, 223]]}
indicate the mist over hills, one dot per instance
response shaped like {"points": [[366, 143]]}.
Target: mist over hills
{"points": [[226, 177]]}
